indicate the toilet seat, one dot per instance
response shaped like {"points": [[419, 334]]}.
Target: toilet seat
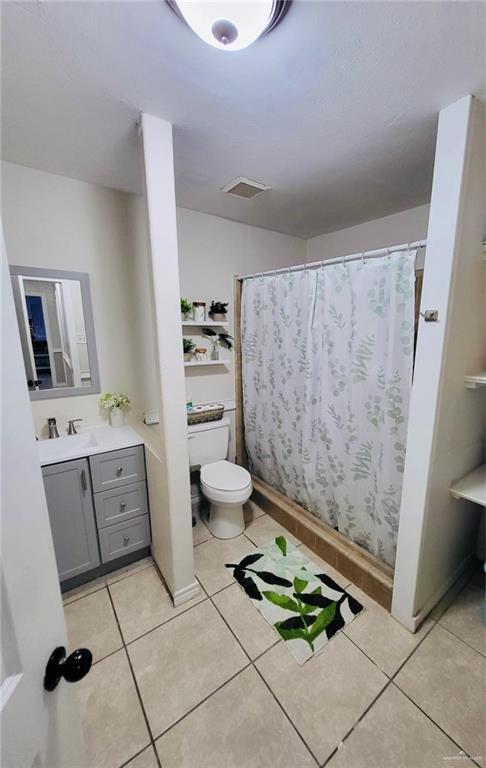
{"points": [[225, 476], [223, 481]]}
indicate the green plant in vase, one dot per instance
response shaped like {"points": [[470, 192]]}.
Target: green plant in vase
{"points": [[114, 402], [187, 345], [217, 340], [186, 309], [218, 311]]}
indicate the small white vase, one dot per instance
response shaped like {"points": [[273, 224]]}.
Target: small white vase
{"points": [[117, 418]]}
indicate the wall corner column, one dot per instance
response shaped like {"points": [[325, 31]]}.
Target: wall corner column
{"points": [[167, 459]]}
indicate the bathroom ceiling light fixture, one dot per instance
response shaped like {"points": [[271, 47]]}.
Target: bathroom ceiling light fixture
{"points": [[230, 25]]}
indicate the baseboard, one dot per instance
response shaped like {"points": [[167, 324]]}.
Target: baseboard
{"points": [[186, 593], [458, 579]]}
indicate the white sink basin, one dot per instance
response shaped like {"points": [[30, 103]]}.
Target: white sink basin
{"points": [[61, 448], [94, 440]]}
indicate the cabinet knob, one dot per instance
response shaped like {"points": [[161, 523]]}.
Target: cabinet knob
{"points": [[119, 470], [126, 539], [122, 505], [73, 668]]}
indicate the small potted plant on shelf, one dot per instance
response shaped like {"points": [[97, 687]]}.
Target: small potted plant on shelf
{"points": [[217, 340], [115, 402], [218, 311], [186, 310], [187, 345]]}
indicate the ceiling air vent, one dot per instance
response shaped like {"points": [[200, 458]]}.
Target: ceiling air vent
{"points": [[245, 188]]}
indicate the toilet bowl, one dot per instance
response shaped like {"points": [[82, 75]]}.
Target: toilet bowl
{"points": [[226, 486]]}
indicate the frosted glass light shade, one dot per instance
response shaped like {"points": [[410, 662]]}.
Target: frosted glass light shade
{"points": [[230, 25]]}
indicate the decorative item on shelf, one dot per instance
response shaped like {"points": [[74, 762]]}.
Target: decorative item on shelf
{"points": [[218, 311], [199, 311], [200, 414], [201, 353], [187, 345], [115, 402], [186, 310], [217, 340]]}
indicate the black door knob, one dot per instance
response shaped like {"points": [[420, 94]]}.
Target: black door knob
{"points": [[71, 668]]}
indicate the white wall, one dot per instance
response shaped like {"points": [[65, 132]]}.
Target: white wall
{"points": [[211, 251], [398, 228], [54, 222], [437, 533]]}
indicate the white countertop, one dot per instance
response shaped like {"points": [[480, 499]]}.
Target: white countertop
{"points": [[87, 442]]}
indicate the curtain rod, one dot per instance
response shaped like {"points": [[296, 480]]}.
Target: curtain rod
{"points": [[339, 259]]}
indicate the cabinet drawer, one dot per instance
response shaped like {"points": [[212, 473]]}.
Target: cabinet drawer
{"points": [[122, 538], [121, 504], [117, 468]]}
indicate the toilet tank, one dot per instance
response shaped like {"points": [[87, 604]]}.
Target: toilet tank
{"points": [[208, 442]]}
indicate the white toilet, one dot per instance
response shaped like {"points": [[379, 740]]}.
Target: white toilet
{"points": [[226, 486]]}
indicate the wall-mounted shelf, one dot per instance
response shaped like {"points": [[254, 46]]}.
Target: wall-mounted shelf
{"points": [[475, 380], [472, 487], [202, 363], [207, 324]]}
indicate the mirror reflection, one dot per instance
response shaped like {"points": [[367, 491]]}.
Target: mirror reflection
{"points": [[52, 315]]}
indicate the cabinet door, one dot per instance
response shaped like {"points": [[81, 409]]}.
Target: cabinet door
{"points": [[71, 513]]}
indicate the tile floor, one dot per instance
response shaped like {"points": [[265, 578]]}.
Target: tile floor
{"points": [[209, 685]]}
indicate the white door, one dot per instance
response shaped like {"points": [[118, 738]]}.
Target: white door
{"points": [[39, 728]]}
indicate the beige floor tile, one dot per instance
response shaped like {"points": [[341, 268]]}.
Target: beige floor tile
{"points": [[445, 678], [380, 636], [112, 718], [128, 570], [83, 590], [240, 726], [210, 559], [145, 759], [446, 601], [182, 662], [200, 532], [251, 511], [325, 696], [91, 624], [463, 618], [264, 529], [253, 631], [142, 603], [343, 581], [395, 733]]}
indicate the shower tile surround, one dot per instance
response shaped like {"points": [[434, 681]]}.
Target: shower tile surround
{"points": [[368, 696]]}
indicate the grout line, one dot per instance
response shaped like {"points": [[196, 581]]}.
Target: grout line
{"points": [[360, 718], [166, 621], [433, 721], [461, 639], [196, 706], [252, 664], [105, 584], [147, 724], [281, 707], [389, 677]]}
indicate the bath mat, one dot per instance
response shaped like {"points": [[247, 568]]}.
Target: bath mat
{"points": [[305, 606]]}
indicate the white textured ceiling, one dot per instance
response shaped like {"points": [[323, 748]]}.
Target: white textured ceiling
{"points": [[336, 109]]}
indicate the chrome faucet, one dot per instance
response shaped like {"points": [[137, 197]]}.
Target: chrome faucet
{"points": [[71, 428], [51, 423]]}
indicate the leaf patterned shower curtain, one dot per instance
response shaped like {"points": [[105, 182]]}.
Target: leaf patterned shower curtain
{"points": [[327, 359]]}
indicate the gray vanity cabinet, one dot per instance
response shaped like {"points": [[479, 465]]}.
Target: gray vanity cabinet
{"points": [[72, 517]]}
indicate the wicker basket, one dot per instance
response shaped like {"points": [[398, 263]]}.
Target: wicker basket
{"points": [[200, 414]]}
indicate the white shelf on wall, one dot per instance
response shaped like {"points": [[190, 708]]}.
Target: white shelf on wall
{"points": [[472, 487], [475, 380], [201, 363], [207, 324]]}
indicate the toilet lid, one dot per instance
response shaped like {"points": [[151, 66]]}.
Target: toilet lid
{"points": [[225, 476]]}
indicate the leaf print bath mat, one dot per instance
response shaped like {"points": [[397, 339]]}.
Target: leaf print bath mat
{"points": [[305, 606]]}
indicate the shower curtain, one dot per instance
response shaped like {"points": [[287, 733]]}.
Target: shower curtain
{"points": [[327, 359]]}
